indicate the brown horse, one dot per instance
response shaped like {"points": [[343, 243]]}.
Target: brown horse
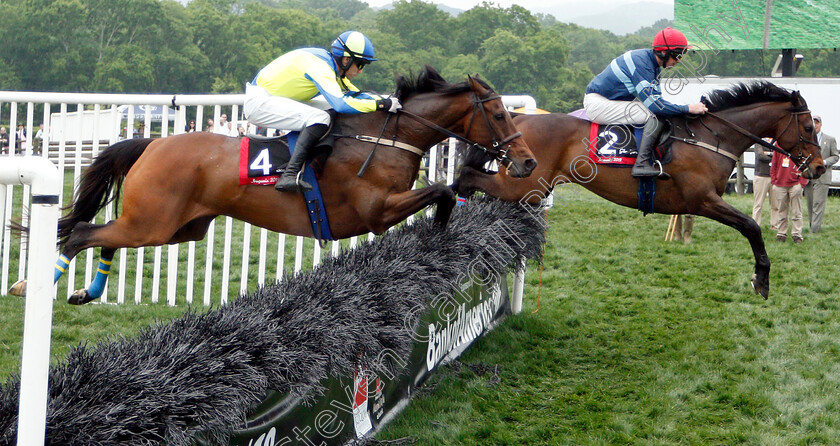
{"points": [[740, 115], [175, 186]]}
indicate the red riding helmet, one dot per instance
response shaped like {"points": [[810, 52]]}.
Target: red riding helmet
{"points": [[670, 39]]}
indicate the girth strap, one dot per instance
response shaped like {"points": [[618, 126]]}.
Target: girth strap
{"points": [[706, 146], [390, 143]]}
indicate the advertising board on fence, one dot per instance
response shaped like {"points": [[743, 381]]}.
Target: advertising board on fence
{"points": [[357, 406]]}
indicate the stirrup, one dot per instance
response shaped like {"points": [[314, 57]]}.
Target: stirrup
{"points": [[300, 184], [662, 175]]}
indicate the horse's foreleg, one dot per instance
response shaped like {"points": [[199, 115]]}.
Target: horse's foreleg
{"points": [[723, 212], [530, 189], [399, 206]]}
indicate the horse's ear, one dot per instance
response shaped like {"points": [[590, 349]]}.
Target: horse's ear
{"points": [[475, 85]]}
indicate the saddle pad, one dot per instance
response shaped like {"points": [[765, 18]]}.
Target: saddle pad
{"points": [[261, 160], [613, 144]]}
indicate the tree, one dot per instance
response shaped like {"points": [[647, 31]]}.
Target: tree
{"points": [[419, 25], [481, 22], [508, 62]]}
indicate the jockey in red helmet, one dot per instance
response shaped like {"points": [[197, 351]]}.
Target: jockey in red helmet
{"points": [[279, 96], [627, 92]]}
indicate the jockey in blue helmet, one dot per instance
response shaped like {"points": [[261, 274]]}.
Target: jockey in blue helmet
{"points": [[278, 96]]}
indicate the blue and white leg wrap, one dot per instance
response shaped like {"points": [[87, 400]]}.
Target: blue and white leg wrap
{"points": [[98, 285], [60, 267]]}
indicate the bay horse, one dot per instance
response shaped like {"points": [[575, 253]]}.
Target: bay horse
{"points": [[740, 116], [173, 187]]}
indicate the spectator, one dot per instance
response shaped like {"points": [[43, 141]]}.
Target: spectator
{"points": [[683, 229], [816, 192], [4, 140], [190, 128], [241, 130], [209, 126], [762, 186], [223, 126], [787, 187], [39, 139], [20, 138]]}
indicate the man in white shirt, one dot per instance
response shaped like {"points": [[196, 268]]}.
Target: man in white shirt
{"points": [[223, 127]]}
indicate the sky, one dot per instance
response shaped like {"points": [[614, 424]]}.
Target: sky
{"points": [[527, 4]]}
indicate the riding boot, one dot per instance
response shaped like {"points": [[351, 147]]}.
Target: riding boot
{"points": [[644, 166], [289, 181]]}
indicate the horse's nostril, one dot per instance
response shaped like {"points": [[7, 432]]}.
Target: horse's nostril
{"points": [[530, 164]]}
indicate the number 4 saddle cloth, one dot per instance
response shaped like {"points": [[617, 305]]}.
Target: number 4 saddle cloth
{"points": [[262, 160]]}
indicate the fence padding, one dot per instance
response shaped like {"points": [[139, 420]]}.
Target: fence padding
{"points": [[200, 374]]}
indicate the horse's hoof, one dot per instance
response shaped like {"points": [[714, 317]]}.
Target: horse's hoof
{"points": [[762, 290], [79, 297], [18, 289]]}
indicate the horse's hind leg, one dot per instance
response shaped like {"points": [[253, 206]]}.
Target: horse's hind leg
{"points": [[97, 286], [194, 230], [70, 249]]}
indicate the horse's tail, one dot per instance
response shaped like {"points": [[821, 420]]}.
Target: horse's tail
{"points": [[105, 174]]}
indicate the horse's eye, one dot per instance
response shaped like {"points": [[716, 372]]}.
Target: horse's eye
{"points": [[500, 116], [808, 128]]}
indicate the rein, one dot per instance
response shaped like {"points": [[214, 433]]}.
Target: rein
{"points": [[802, 166], [502, 147]]}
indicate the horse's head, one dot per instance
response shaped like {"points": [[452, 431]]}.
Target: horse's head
{"points": [[472, 112], [775, 112], [506, 144], [797, 136]]}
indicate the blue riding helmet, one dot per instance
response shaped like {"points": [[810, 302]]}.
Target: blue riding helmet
{"points": [[353, 44]]}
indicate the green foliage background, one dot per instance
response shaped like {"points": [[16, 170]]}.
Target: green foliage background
{"points": [[215, 46]]}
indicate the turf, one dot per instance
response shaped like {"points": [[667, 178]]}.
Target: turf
{"points": [[641, 341]]}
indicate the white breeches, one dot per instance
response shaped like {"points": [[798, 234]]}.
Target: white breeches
{"points": [[607, 111], [276, 112]]}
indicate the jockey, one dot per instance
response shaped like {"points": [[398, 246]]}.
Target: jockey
{"points": [[627, 92], [278, 95]]}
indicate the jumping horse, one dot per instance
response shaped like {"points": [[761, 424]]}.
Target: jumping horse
{"points": [[173, 187], [705, 149]]}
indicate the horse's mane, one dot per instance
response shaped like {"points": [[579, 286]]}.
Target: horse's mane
{"points": [[743, 94], [430, 81]]}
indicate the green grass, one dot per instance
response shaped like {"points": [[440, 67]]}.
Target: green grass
{"points": [[636, 341], [642, 341]]}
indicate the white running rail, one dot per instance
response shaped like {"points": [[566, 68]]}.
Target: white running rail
{"points": [[43, 178]]}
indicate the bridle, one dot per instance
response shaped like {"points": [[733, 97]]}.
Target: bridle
{"points": [[501, 147], [800, 160]]}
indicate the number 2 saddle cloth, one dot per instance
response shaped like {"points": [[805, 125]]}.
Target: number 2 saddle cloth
{"points": [[617, 144]]}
